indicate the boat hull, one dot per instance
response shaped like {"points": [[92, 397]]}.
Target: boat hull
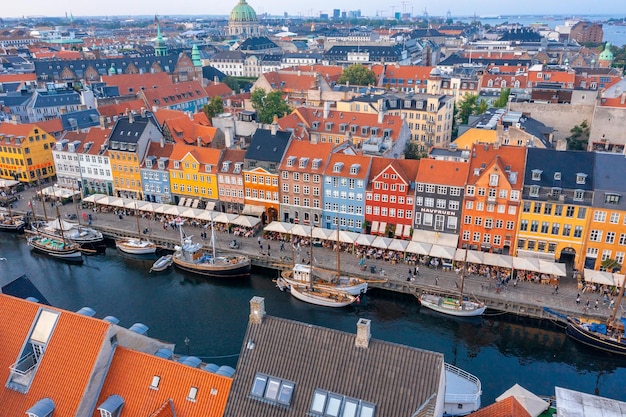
{"points": [[12, 228], [446, 306], [135, 246], [162, 263], [218, 270], [595, 340], [351, 285], [321, 297], [69, 253]]}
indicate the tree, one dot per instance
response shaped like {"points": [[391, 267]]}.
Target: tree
{"points": [[611, 265], [232, 83], [357, 74], [469, 105], [503, 100], [268, 105], [579, 137], [412, 151], [213, 107]]}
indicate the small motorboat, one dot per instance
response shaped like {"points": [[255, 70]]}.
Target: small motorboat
{"points": [[162, 263]]}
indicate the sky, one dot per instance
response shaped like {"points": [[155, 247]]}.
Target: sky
{"points": [[305, 8]]}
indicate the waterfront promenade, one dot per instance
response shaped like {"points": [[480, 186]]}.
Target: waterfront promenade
{"points": [[525, 299]]}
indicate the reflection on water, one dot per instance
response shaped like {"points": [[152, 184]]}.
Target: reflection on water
{"points": [[214, 314]]}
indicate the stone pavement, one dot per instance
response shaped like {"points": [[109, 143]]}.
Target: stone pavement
{"points": [[524, 292]]}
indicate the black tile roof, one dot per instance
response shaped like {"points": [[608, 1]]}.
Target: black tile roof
{"points": [[127, 132], [81, 119], [267, 147], [57, 98], [568, 163], [397, 379], [22, 287]]}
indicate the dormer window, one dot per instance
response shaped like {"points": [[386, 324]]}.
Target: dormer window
{"points": [[555, 193], [364, 130], [161, 165], [610, 198], [581, 178], [579, 195], [557, 176], [536, 174], [238, 166], [337, 167], [112, 406], [329, 126], [315, 125], [303, 162], [148, 163], [476, 172], [208, 167], [176, 164], [225, 166], [342, 127], [534, 191], [291, 161], [316, 163], [354, 169]]}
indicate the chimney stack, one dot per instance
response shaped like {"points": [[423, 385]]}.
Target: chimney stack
{"points": [[326, 109], [274, 126], [131, 118], [103, 124], [257, 309], [362, 333]]}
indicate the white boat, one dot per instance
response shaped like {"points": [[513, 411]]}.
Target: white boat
{"points": [[317, 296], [162, 263], [11, 223], [301, 275], [73, 232], [463, 392], [190, 257], [135, 246], [452, 306]]}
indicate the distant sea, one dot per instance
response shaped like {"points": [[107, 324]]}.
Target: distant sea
{"points": [[615, 34]]}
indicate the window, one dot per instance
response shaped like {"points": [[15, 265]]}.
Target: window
{"points": [[155, 382], [579, 195], [329, 404], [611, 198], [272, 389], [523, 225], [595, 235], [578, 231], [581, 178], [582, 212], [526, 207], [534, 226], [610, 237], [567, 229], [555, 228], [493, 180], [534, 191], [569, 212], [193, 393], [547, 209], [614, 219], [544, 227], [599, 216], [536, 174], [537, 208]]}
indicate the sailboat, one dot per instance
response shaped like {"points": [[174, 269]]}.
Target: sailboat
{"points": [[136, 245], [454, 306], [322, 279], [190, 257], [301, 284], [73, 232], [57, 247], [607, 336], [11, 223]]}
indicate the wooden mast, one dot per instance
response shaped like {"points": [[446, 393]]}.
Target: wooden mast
{"points": [[618, 303], [338, 254], [463, 274]]}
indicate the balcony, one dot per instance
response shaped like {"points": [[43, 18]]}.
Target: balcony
{"points": [[22, 373]]}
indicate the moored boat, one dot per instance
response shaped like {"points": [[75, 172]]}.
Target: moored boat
{"points": [[597, 334], [191, 257], [11, 223], [73, 232], [162, 263], [303, 275], [135, 246], [452, 306], [463, 392], [318, 296], [57, 248]]}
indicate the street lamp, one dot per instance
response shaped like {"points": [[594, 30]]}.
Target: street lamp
{"points": [[187, 344]]}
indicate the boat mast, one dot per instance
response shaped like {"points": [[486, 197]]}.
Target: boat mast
{"points": [[60, 223], [76, 207], [338, 253], [43, 202], [618, 303], [463, 274], [137, 221], [213, 241]]}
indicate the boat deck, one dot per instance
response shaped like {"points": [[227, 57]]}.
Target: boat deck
{"points": [[462, 388]]}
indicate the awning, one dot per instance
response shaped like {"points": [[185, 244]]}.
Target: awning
{"points": [[189, 202], [182, 201], [195, 203], [382, 227], [365, 239], [93, 198], [279, 227], [407, 231], [398, 245], [419, 248], [599, 277], [8, 183], [252, 210], [381, 242], [374, 228], [210, 205], [347, 237], [552, 268], [399, 229], [301, 230], [494, 259], [223, 217], [526, 264], [246, 221], [59, 192], [523, 253], [446, 252]]}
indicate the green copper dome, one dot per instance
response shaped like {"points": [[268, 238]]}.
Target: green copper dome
{"points": [[606, 55], [242, 12]]}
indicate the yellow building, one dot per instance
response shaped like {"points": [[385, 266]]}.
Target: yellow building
{"points": [[556, 206], [193, 175], [25, 152], [606, 239], [474, 136]]}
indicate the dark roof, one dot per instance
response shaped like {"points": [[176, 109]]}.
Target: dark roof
{"points": [[456, 59], [257, 44], [568, 163], [377, 53], [22, 287], [523, 34], [80, 119], [16, 99], [397, 379], [56, 98], [127, 132], [210, 73], [610, 171], [268, 147]]}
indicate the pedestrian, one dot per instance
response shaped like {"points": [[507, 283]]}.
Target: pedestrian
{"points": [[258, 239], [282, 246], [587, 302], [577, 298], [556, 289], [416, 272], [410, 275], [436, 280], [596, 306], [268, 249]]}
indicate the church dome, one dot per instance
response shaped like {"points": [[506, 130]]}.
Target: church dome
{"points": [[243, 12], [606, 55]]}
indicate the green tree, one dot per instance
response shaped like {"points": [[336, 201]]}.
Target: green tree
{"points": [[412, 151], [611, 265], [213, 107], [469, 105], [357, 74], [232, 83], [579, 137], [267, 105], [503, 100]]}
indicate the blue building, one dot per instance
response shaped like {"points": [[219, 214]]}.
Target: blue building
{"points": [[155, 175]]}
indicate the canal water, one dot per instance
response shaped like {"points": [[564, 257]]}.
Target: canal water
{"points": [[213, 315]]}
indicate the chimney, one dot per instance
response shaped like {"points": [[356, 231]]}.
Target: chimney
{"points": [[162, 141], [143, 112], [622, 98], [131, 118], [103, 123], [362, 333], [229, 103], [257, 310], [381, 116], [228, 137], [199, 142], [326, 109], [216, 80], [274, 126]]}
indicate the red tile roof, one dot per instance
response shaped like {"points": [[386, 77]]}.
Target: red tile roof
{"points": [[306, 149], [201, 154], [131, 374], [219, 89], [118, 109], [67, 366], [451, 173], [348, 160], [174, 94], [133, 83], [185, 130], [509, 407], [11, 78], [98, 137], [287, 81], [512, 156]]}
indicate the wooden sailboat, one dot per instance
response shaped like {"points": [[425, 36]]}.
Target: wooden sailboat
{"points": [[11, 223], [55, 246], [324, 279], [454, 306], [299, 281], [136, 246], [606, 336]]}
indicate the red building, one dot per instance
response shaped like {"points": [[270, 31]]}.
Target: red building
{"points": [[389, 196]]}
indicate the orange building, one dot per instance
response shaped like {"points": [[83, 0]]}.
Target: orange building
{"points": [[492, 198]]}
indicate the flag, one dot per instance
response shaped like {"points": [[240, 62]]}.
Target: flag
{"points": [[30, 204]]}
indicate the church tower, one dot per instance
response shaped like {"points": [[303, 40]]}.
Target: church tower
{"points": [[159, 44], [243, 22]]}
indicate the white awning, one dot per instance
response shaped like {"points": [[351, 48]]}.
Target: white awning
{"points": [[407, 231], [599, 277], [495, 259], [381, 242], [446, 252], [382, 227], [223, 217], [252, 210], [279, 227], [365, 239], [210, 205], [526, 264], [195, 203], [523, 253], [552, 268], [323, 233], [182, 201], [93, 198], [347, 237], [301, 230], [8, 183], [374, 228], [398, 245], [419, 248], [246, 221], [399, 228]]}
